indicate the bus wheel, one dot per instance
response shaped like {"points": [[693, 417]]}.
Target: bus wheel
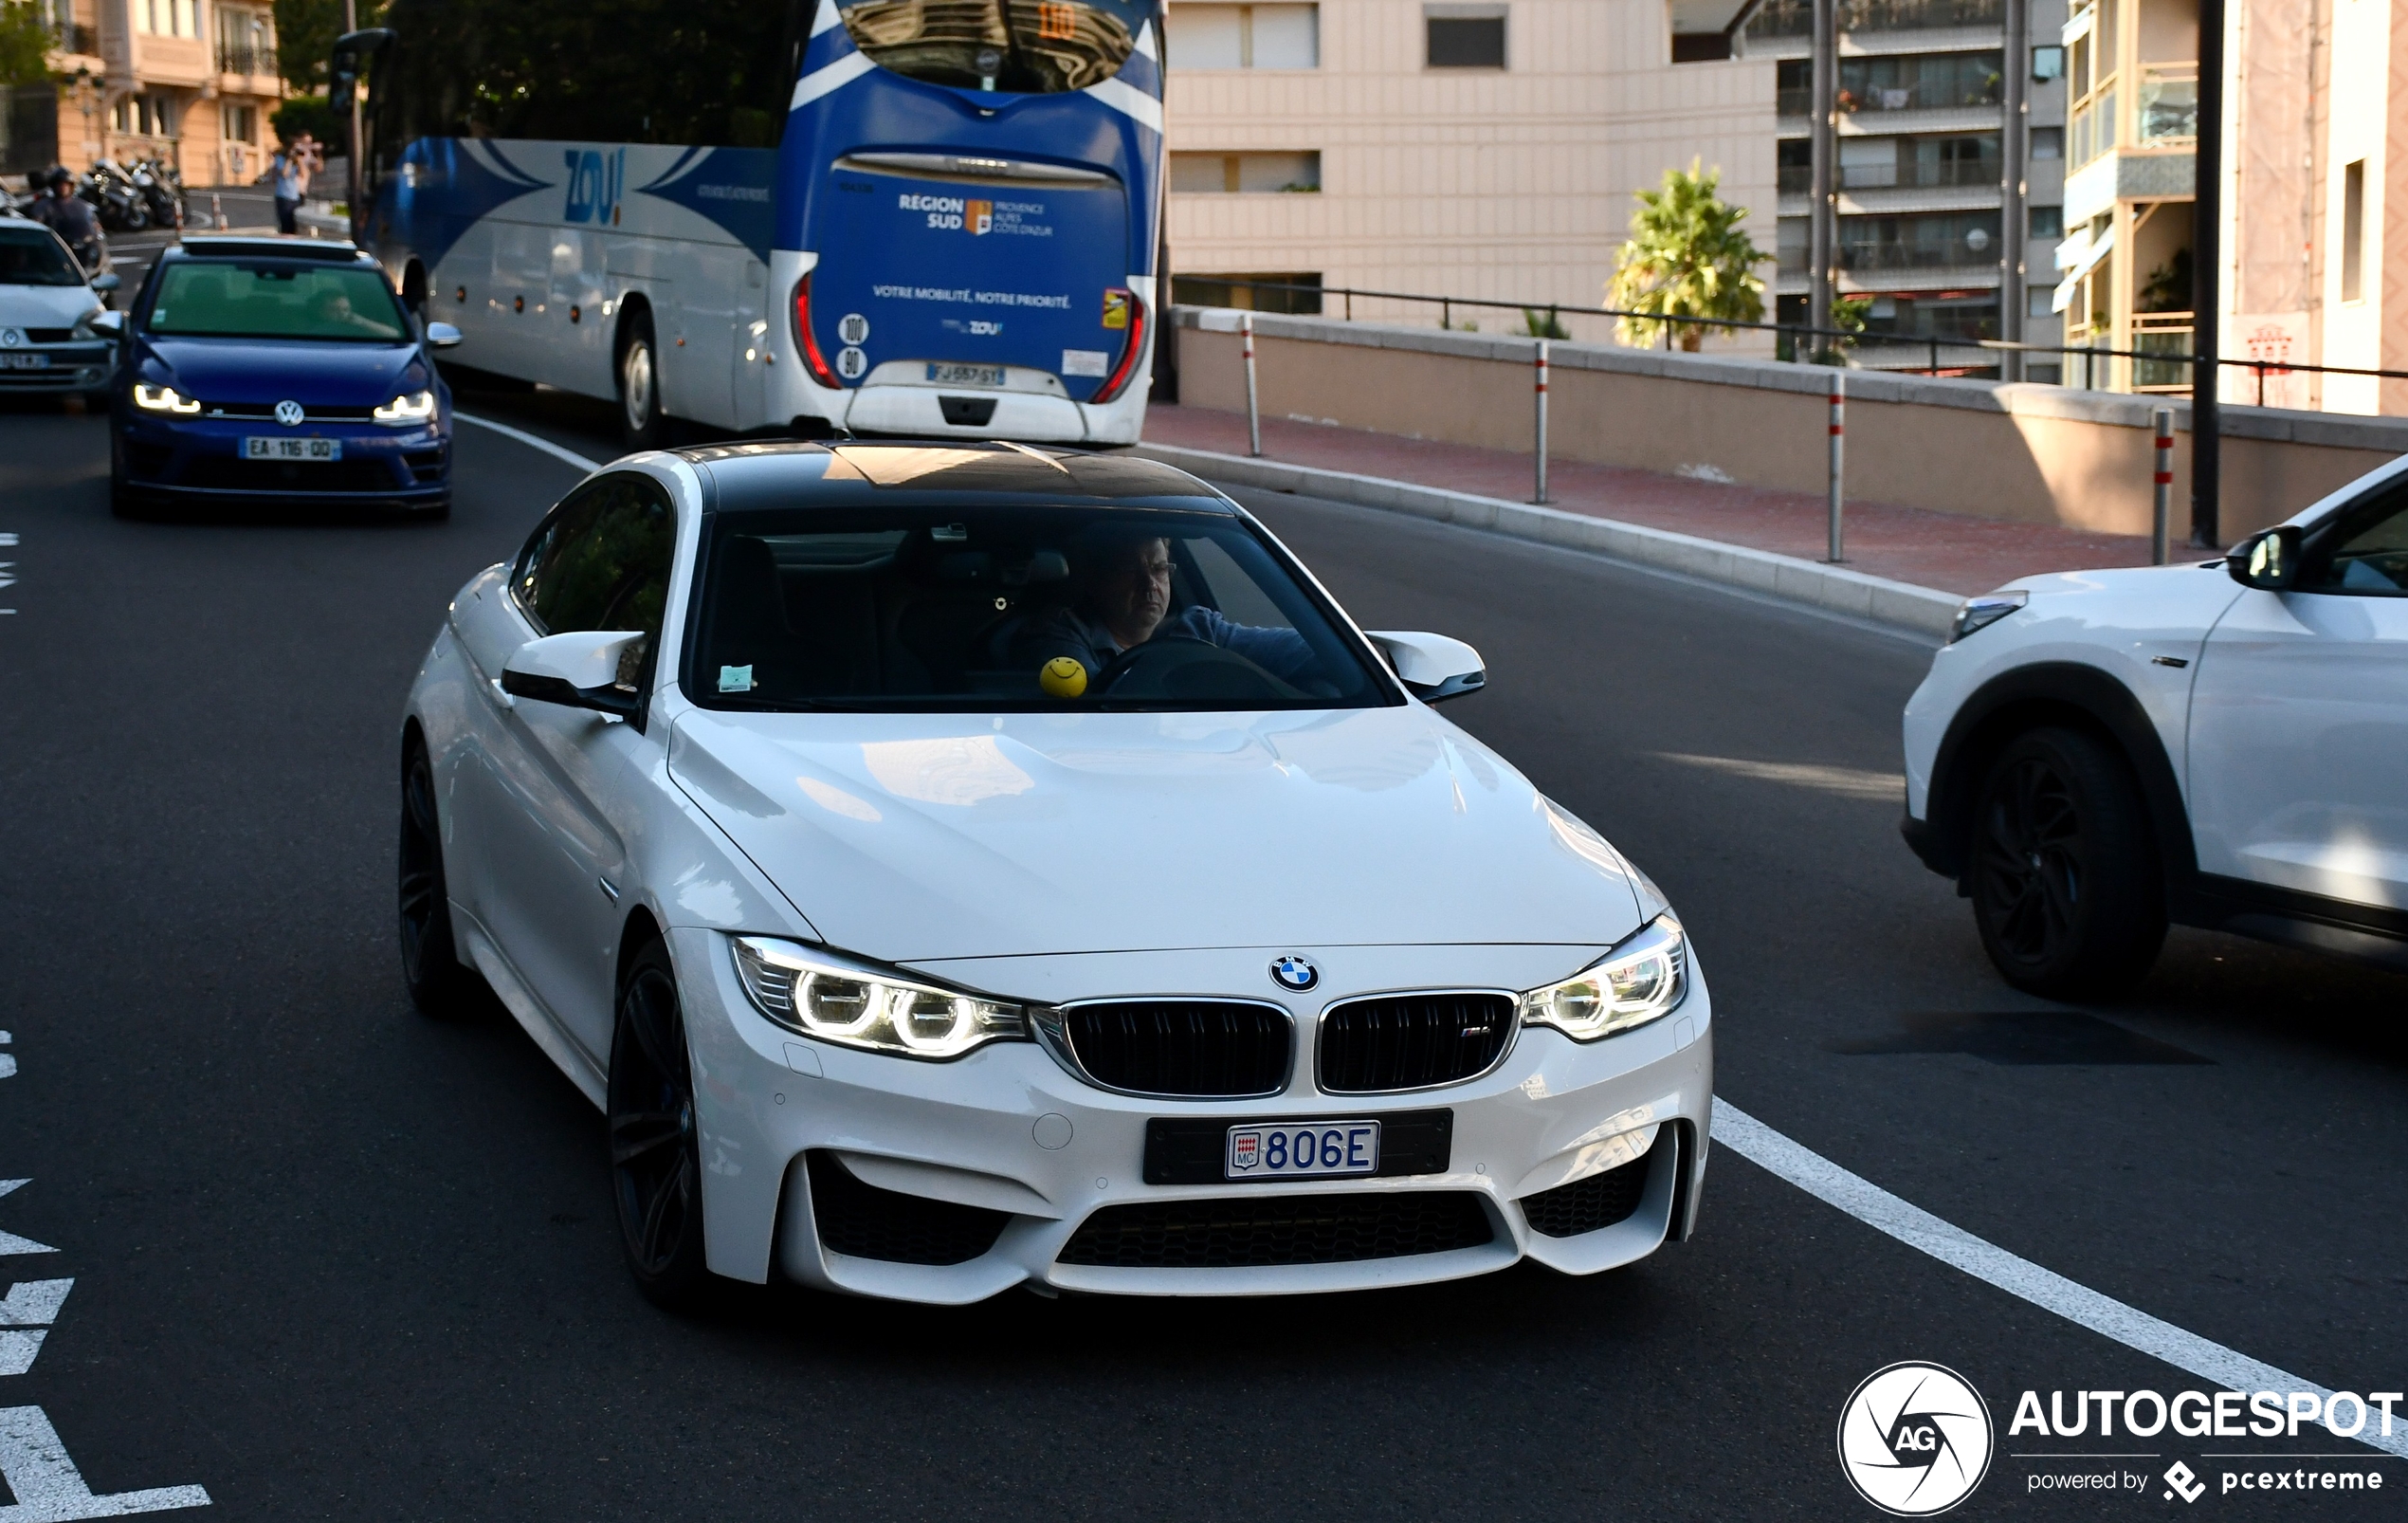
{"points": [[640, 421]]}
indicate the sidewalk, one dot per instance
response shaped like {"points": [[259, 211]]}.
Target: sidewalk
{"points": [[1942, 551]]}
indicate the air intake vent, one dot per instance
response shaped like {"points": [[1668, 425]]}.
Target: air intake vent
{"points": [[868, 1222], [1413, 1041], [1275, 1230], [1216, 1049], [1590, 1204]]}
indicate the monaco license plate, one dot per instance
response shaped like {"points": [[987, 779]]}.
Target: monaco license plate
{"points": [[24, 362], [1301, 1149], [966, 375], [273, 447]]}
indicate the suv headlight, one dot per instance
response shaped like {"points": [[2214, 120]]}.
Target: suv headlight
{"points": [[416, 407], [859, 1006], [152, 398], [1643, 979], [1980, 612]]}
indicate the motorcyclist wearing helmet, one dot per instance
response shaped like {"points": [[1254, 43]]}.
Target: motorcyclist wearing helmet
{"points": [[65, 214]]}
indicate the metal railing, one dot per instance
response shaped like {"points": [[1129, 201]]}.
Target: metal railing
{"points": [[1842, 340], [75, 37], [1957, 253], [1795, 18], [243, 57]]}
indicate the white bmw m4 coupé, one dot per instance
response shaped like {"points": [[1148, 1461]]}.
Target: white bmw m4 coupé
{"points": [[956, 867]]}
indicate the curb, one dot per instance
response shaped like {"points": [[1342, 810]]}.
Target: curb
{"points": [[1898, 604]]}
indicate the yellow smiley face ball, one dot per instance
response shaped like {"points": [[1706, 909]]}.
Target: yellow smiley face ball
{"points": [[1063, 678]]}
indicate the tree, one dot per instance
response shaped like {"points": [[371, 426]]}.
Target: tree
{"points": [[25, 37], [305, 33], [1687, 257]]}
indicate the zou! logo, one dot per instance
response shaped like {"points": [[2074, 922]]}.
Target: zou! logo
{"points": [[596, 179], [1915, 1439]]}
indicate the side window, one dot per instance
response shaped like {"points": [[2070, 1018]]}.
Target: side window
{"points": [[2368, 552], [601, 561]]}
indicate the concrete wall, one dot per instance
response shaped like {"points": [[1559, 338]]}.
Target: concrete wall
{"points": [[2024, 452]]}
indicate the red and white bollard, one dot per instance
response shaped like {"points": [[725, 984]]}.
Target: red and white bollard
{"points": [[1838, 460], [2162, 418], [1540, 427], [1253, 414]]}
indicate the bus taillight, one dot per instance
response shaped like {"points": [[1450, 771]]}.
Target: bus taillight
{"points": [[812, 358], [1118, 380]]}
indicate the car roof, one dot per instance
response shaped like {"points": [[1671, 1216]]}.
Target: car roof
{"points": [[327, 250], [775, 474]]}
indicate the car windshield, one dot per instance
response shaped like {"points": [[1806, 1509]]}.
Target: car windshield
{"points": [[1023, 47], [951, 609], [34, 256], [272, 299]]}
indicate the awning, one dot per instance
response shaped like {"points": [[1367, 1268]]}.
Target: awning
{"points": [[2082, 264]]}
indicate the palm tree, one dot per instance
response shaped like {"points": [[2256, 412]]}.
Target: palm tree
{"points": [[1687, 257]]}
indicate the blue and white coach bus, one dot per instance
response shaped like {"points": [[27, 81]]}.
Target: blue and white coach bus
{"points": [[922, 217]]}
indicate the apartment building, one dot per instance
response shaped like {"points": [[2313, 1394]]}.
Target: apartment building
{"points": [[1478, 150], [189, 82], [1922, 210]]}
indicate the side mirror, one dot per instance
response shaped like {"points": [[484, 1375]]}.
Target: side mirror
{"points": [[2267, 560], [108, 325], [1432, 667], [443, 336], [590, 669], [107, 282]]}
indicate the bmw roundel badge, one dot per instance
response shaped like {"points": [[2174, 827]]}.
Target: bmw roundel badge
{"points": [[1294, 972]]}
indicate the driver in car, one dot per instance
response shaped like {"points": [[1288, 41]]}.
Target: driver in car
{"points": [[1125, 601]]}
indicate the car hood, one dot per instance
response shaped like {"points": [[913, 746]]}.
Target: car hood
{"points": [[912, 837], [44, 306], [273, 370]]}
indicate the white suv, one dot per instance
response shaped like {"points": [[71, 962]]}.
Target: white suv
{"points": [[2098, 753]]}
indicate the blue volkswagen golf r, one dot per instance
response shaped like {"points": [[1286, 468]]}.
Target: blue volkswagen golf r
{"points": [[258, 370]]}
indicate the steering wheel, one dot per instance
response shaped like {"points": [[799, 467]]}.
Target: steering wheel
{"points": [[1182, 666]]}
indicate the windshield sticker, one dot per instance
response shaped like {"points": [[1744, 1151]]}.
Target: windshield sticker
{"points": [[735, 679]]}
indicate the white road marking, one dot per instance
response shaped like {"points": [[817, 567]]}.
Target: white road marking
{"points": [[24, 1319], [10, 1241], [2050, 1292], [1849, 782], [49, 1488], [531, 441]]}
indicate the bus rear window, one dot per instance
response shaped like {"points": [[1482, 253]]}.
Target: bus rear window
{"points": [[1020, 46]]}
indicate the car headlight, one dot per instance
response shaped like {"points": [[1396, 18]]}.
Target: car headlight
{"points": [[1980, 612], [1638, 982], [806, 990], [416, 407], [152, 398]]}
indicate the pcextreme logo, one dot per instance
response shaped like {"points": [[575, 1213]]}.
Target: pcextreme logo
{"points": [[1915, 1439]]}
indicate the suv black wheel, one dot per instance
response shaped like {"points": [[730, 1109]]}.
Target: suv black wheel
{"points": [[430, 962], [642, 424], [2066, 884], [656, 1161]]}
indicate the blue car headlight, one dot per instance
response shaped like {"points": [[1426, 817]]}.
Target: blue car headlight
{"points": [[410, 407], [152, 398]]}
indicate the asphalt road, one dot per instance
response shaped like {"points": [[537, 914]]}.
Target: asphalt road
{"points": [[330, 1260]]}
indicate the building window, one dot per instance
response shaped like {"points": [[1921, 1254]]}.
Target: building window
{"points": [[1293, 291], [1212, 36], [167, 18], [152, 115], [2048, 221], [1466, 36], [239, 124], [2041, 301], [2047, 63], [2048, 142], [2353, 232], [1234, 173], [1700, 46], [1937, 81]]}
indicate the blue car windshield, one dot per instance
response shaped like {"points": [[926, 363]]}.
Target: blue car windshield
{"points": [[32, 255], [229, 299], [1019, 47]]}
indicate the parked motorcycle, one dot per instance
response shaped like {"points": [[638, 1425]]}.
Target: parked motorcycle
{"points": [[115, 197], [162, 191]]}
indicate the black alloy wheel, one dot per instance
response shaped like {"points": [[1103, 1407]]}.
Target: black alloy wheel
{"points": [[642, 423], [430, 960], [656, 1158], [2065, 879]]}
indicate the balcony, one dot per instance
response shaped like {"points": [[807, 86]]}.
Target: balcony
{"points": [[1795, 18], [2169, 105], [74, 37], [235, 58]]}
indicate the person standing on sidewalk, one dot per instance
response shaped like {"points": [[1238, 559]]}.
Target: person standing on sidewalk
{"points": [[289, 179]]}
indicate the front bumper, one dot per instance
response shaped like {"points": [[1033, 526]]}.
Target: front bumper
{"points": [[1006, 1130], [71, 367], [200, 458]]}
